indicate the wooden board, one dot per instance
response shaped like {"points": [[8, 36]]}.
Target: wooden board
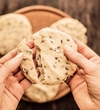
{"points": [[41, 17]]}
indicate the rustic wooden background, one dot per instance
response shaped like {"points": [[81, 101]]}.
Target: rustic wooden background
{"points": [[88, 12]]}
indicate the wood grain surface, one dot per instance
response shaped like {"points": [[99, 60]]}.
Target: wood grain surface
{"points": [[88, 12]]}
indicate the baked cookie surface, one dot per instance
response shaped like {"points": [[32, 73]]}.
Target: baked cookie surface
{"points": [[13, 28], [27, 66], [41, 93], [72, 27], [53, 65]]}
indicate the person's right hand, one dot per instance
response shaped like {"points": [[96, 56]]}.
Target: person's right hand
{"points": [[85, 84]]}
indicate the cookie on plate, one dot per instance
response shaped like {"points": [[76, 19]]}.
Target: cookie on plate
{"points": [[72, 27], [13, 28], [41, 93]]}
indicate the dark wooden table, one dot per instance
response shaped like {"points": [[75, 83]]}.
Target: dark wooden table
{"points": [[88, 12]]}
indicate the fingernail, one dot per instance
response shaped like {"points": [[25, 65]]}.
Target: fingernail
{"points": [[19, 55], [68, 48]]}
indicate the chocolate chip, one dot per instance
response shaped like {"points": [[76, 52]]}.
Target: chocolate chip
{"points": [[51, 41], [61, 41], [44, 66], [61, 83], [58, 79], [66, 68], [42, 41], [67, 39], [30, 52], [25, 70], [54, 66], [56, 58], [24, 59], [58, 47], [67, 63], [51, 49], [39, 65], [66, 73], [39, 56], [37, 59], [50, 37], [48, 77]]}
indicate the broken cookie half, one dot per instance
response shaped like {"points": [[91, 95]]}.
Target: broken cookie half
{"points": [[27, 65], [53, 66]]}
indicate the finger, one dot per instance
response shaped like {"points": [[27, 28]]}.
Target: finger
{"points": [[16, 71], [19, 76], [79, 93], [13, 53], [80, 60], [2, 89], [95, 59], [7, 68], [8, 56], [25, 83], [12, 85], [84, 49], [81, 72], [30, 44], [75, 81]]}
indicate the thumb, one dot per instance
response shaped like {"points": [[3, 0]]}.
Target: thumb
{"points": [[13, 63], [10, 66], [79, 59]]}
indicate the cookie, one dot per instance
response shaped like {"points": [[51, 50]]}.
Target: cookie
{"points": [[27, 65], [13, 28], [53, 65], [72, 27], [41, 93]]}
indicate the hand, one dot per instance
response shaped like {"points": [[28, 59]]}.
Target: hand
{"points": [[12, 82], [85, 84]]}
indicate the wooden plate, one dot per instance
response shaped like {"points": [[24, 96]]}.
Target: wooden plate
{"points": [[41, 17]]}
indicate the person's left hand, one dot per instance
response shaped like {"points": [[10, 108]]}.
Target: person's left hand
{"points": [[12, 82]]}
